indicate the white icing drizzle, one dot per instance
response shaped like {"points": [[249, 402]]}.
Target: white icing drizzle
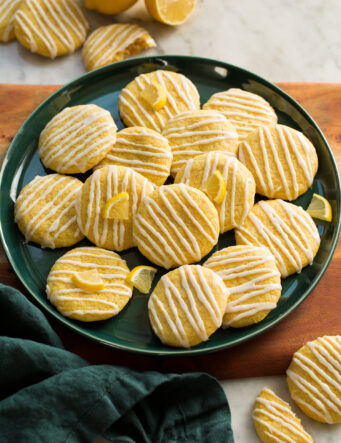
{"points": [[8, 9]]}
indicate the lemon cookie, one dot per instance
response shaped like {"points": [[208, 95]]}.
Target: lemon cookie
{"points": [[253, 280], [187, 306], [97, 190], [314, 379], [275, 421], [282, 160], [285, 229], [176, 225], [8, 9], [143, 150], [245, 110], [45, 211], [240, 185], [76, 139], [83, 301], [51, 27], [109, 44], [175, 94]]}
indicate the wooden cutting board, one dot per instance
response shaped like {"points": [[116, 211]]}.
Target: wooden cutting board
{"points": [[268, 354]]}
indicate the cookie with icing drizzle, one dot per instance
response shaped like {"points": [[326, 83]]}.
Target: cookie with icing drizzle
{"points": [[144, 150], [45, 211], [176, 225], [8, 9], [187, 306], [109, 44], [314, 379], [77, 139], [282, 160], [240, 185], [181, 95], [51, 27], [85, 305], [275, 422], [198, 132], [253, 281], [245, 110]]}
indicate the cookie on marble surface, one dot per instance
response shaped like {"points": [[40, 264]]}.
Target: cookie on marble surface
{"points": [[8, 8]]}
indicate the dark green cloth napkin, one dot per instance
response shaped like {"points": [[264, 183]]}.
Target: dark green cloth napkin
{"points": [[48, 394]]}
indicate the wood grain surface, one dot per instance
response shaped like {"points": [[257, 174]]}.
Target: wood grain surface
{"points": [[268, 354]]}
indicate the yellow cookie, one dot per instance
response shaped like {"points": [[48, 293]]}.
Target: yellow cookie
{"points": [[109, 44], [86, 304], [314, 379], [143, 150], [45, 211], [180, 95], [275, 422], [245, 110], [282, 160], [240, 185], [253, 280], [8, 9], [76, 139], [198, 132], [285, 229], [176, 225], [51, 27], [99, 188], [187, 306]]}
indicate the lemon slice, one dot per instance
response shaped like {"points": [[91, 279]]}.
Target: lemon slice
{"points": [[154, 95], [174, 12], [109, 6], [88, 280], [117, 207], [320, 208], [141, 278], [215, 187]]}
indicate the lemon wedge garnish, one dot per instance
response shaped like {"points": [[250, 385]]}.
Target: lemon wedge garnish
{"points": [[117, 207], [215, 187], [320, 208], [154, 95], [172, 12], [88, 280], [141, 278], [109, 6]]}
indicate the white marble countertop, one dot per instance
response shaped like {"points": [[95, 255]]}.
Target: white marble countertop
{"points": [[286, 40]]}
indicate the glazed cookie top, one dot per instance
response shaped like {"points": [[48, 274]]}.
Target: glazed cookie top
{"points": [[144, 150], [245, 110], [187, 306], [77, 139], [8, 9], [176, 225], [198, 132], [45, 211], [51, 27], [282, 160], [181, 95]]}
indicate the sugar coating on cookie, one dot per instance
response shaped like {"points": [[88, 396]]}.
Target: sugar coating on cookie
{"points": [[198, 132], [181, 94], [240, 185], [187, 306], [100, 187], [245, 110], [144, 150], [51, 27], [45, 211], [85, 305], [109, 44], [282, 160], [8, 9], [314, 379], [253, 280], [77, 139], [285, 229], [176, 225], [275, 421]]}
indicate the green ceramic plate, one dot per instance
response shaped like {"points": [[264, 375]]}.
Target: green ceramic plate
{"points": [[130, 330]]}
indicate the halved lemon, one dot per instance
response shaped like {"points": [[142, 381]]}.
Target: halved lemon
{"points": [[117, 207], [154, 95], [320, 208], [141, 278], [109, 6], [170, 12], [215, 187], [88, 280]]}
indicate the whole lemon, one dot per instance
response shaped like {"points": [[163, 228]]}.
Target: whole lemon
{"points": [[109, 6]]}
